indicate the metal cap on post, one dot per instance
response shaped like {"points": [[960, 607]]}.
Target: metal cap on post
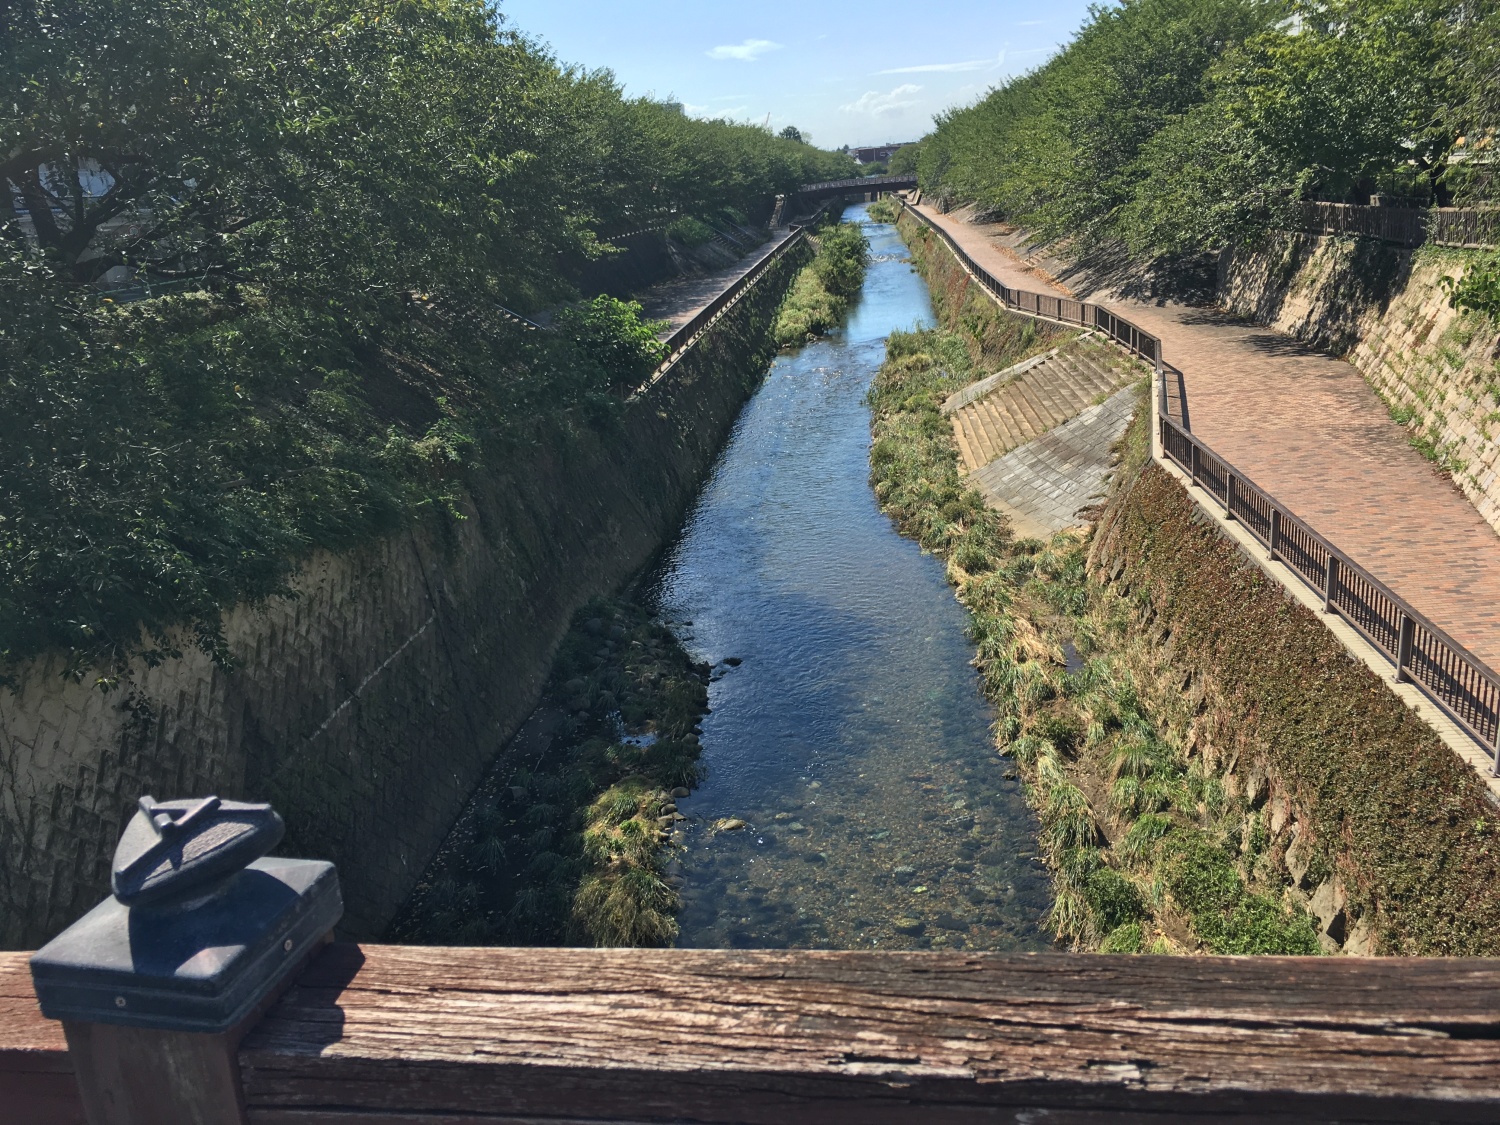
{"points": [[156, 985]]}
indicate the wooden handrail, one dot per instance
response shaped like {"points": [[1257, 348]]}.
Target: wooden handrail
{"points": [[410, 1036], [405, 1036]]}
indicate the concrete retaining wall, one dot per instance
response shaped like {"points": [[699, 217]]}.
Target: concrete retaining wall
{"points": [[367, 708]]}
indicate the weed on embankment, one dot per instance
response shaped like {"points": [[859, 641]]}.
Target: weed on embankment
{"points": [[1217, 772], [571, 846], [1132, 830], [821, 294]]}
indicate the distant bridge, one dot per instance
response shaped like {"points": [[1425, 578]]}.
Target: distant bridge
{"points": [[858, 184]]}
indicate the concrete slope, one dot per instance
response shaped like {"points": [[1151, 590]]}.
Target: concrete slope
{"points": [[1040, 397], [1042, 486]]}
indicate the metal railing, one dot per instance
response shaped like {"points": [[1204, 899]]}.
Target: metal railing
{"points": [[1045, 306], [860, 183], [684, 337], [1422, 654]]}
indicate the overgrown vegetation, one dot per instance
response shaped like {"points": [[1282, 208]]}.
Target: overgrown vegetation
{"points": [[1214, 760], [1130, 826], [821, 294], [885, 210], [315, 217], [569, 846], [1180, 125]]}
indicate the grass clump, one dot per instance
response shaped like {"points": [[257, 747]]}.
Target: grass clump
{"points": [[570, 845], [821, 294], [886, 209], [1126, 818]]}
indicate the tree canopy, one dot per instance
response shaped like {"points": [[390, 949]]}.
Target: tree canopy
{"points": [[1182, 124], [329, 206]]}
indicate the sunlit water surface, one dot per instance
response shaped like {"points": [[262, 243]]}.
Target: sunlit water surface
{"points": [[851, 737]]}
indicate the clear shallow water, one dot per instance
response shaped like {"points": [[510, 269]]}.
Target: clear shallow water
{"points": [[852, 737]]}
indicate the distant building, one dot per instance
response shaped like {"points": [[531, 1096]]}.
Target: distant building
{"points": [[878, 155]]}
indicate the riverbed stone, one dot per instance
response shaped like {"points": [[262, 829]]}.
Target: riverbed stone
{"points": [[992, 857], [908, 925], [903, 874]]}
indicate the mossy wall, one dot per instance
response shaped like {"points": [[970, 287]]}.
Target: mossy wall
{"points": [[1347, 796], [1438, 369], [367, 708]]}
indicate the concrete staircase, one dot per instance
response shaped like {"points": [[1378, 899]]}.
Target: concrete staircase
{"points": [[1023, 403]]}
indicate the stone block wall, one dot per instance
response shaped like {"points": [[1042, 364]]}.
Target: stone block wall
{"points": [[1385, 309], [367, 707]]}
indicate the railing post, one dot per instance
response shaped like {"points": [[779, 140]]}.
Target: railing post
{"points": [[1228, 496], [1330, 581], [1275, 535], [156, 986], [1404, 634], [1193, 461]]}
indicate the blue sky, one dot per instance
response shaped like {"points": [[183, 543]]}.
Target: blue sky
{"points": [[848, 73]]}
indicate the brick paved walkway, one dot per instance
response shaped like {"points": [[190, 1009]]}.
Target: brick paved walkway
{"points": [[1308, 429]]}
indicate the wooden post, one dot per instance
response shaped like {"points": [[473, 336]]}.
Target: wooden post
{"points": [[1403, 648], [133, 1076], [156, 986], [1330, 581], [1275, 543]]}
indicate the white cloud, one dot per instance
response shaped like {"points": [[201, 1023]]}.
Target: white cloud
{"points": [[748, 51], [877, 104], [938, 68]]}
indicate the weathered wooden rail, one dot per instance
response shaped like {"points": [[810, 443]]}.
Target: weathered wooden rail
{"points": [[1421, 653], [1467, 227], [406, 1036]]}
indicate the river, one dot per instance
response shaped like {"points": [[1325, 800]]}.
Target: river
{"points": [[847, 726]]}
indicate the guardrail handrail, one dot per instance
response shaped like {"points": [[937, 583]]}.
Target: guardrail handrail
{"points": [[1461, 684], [684, 337], [1421, 652], [1045, 306]]}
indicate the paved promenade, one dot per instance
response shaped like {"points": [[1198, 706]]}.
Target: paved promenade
{"points": [[679, 300], [1308, 429]]}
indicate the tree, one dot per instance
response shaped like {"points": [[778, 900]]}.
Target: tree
{"points": [[792, 133]]}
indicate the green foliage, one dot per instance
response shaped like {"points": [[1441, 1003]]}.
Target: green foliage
{"points": [[1226, 916], [905, 160], [821, 294], [611, 339], [1174, 125], [690, 231], [319, 210], [1477, 288]]}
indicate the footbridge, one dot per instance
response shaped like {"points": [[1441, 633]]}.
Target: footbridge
{"points": [[857, 183]]}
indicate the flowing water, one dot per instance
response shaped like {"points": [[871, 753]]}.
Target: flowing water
{"points": [[847, 729]]}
